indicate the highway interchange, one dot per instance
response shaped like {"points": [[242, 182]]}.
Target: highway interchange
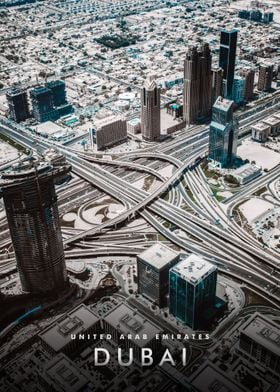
{"points": [[209, 229]]}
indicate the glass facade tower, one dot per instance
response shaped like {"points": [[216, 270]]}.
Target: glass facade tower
{"points": [[192, 289], [223, 134]]}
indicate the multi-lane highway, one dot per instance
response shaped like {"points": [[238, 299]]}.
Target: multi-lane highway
{"points": [[236, 257]]}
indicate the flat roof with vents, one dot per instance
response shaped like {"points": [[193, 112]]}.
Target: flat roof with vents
{"points": [[58, 334], [128, 320], [158, 255], [263, 331], [194, 268]]}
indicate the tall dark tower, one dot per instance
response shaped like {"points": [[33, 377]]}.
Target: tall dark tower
{"points": [[58, 90], [217, 83], [42, 104], [150, 111], [197, 84], [31, 207], [205, 86], [227, 59], [265, 77], [18, 104]]}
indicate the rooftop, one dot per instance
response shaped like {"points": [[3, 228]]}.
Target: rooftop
{"points": [[134, 121], [246, 170], [62, 373], [193, 268], [209, 378], [99, 123], [150, 83], [223, 104], [263, 331], [14, 91], [158, 255], [39, 90], [273, 120], [58, 334], [260, 126], [129, 321], [49, 128]]}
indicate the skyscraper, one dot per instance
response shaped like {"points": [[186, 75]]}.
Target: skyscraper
{"points": [[153, 267], [18, 104], [58, 91], [31, 207], [217, 83], [197, 84], [223, 134], [150, 110], [42, 104], [227, 59], [238, 89], [192, 289], [265, 77], [249, 76]]}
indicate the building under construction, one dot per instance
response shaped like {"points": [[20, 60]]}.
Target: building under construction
{"points": [[31, 207]]}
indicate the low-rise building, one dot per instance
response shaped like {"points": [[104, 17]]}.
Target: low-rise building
{"points": [[260, 132], [62, 335], [131, 329], [62, 375], [134, 126], [274, 124], [246, 173], [209, 377], [260, 341]]}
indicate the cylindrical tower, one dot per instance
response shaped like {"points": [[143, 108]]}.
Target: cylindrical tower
{"points": [[31, 207]]}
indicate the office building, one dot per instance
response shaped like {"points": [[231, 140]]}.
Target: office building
{"points": [[217, 83], [18, 104], [31, 208], [92, 137], [260, 132], [274, 123], [249, 76], [134, 126], [260, 341], [42, 104], [56, 338], [238, 90], [49, 102], [109, 131], [268, 17], [192, 289], [265, 77], [223, 134], [153, 267], [60, 374], [150, 111], [125, 320], [62, 107], [58, 92], [255, 15], [227, 59], [197, 84]]}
